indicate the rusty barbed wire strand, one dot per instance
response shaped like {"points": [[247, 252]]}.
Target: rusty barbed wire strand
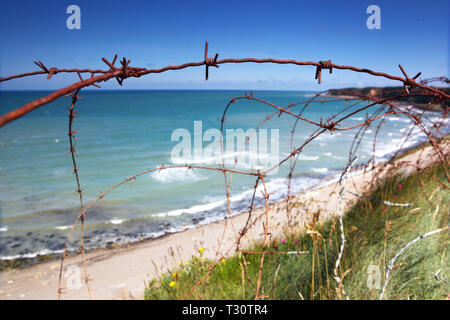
{"points": [[72, 140], [128, 71], [387, 108], [367, 123], [293, 160], [218, 169]]}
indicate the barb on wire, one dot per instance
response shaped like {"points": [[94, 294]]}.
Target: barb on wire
{"points": [[81, 217], [209, 62], [323, 65], [359, 104], [128, 71]]}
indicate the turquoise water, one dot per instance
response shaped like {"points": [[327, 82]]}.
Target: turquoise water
{"points": [[121, 133]]}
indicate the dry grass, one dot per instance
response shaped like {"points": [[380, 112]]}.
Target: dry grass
{"points": [[374, 233]]}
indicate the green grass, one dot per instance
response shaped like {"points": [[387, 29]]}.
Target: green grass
{"points": [[374, 233]]}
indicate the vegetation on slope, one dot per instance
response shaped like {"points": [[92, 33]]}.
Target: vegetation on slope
{"points": [[386, 92], [374, 232]]}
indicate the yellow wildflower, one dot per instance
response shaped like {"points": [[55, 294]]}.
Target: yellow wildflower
{"points": [[201, 250], [223, 260], [172, 284]]}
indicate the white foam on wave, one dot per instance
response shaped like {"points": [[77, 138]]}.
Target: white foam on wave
{"points": [[320, 170], [62, 227], [229, 157], [208, 160], [399, 119], [326, 136], [204, 207], [240, 196], [59, 172], [357, 118], [115, 221], [308, 158], [388, 148], [277, 188], [176, 175], [4, 229], [31, 255], [192, 210]]}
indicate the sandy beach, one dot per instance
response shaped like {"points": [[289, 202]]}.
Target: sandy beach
{"points": [[121, 273]]}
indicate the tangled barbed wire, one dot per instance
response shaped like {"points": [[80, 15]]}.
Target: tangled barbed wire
{"points": [[386, 106]]}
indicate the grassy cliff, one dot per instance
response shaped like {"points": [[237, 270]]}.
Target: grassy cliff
{"points": [[386, 92], [374, 232]]}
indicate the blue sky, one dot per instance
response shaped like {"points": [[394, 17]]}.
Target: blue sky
{"points": [[159, 33]]}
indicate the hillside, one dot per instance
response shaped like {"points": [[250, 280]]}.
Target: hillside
{"points": [[375, 232], [385, 92]]}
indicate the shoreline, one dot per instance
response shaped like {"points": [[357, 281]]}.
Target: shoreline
{"points": [[121, 272], [20, 250], [23, 262], [35, 258]]}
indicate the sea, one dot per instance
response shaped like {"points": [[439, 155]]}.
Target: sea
{"points": [[121, 133]]}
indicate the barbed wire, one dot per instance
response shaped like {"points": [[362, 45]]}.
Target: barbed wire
{"points": [[127, 71], [385, 107]]}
